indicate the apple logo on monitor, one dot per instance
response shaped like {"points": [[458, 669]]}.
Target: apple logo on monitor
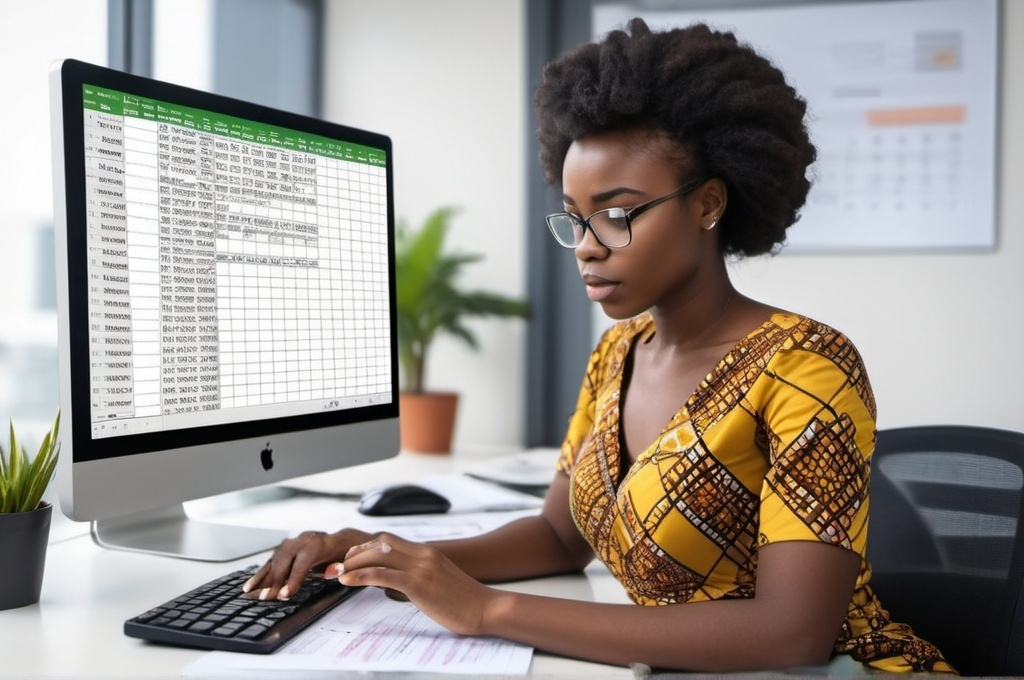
{"points": [[267, 457]]}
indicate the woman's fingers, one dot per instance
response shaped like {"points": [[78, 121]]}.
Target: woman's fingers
{"points": [[383, 543], [256, 578], [306, 555], [416, 572], [386, 561], [285, 569], [365, 563], [282, 575]]}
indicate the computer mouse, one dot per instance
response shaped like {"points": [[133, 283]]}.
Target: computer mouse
{"points": [[403, 499]]}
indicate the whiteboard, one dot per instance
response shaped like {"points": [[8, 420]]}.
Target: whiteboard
{"points": [[902, 105]]}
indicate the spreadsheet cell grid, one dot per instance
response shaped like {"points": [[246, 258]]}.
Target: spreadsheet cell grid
{"points": [[228, 273]]}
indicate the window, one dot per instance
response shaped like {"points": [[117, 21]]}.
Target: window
{"points": [[31, 39]]}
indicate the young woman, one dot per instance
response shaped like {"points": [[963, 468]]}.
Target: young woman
{"points": [[718, 458]]}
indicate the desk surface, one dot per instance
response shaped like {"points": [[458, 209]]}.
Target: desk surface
{"points": [[75, 631]]}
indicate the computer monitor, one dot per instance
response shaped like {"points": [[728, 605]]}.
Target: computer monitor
{"points": [[226, 290]]}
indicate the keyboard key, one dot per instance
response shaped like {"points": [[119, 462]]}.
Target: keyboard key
{"points": [[253, 631]]}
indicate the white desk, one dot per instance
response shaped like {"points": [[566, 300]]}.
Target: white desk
{"points": [[75, 631]]}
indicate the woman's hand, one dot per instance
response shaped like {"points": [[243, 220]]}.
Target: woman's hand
{"points": [[292, 561], [422, 574]]}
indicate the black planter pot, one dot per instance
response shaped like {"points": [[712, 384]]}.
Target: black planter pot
{"points": [[23, 538]]}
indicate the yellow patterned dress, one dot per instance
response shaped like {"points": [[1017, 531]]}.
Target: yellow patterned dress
{"points": [[774, 445]]}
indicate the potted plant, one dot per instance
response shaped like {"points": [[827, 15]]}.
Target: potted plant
{"points": [[25, 517], [430, 302]]}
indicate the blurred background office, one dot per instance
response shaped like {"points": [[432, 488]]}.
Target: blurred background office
{"points": [[450, 82]]}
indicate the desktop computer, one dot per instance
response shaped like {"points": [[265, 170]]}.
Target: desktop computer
{"points": [[226, 304]]}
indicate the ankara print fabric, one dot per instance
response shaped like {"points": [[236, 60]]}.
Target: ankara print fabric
{"points": [[774, 445]]}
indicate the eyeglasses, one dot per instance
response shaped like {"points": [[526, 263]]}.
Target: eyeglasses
{"points": [[612, 227]]}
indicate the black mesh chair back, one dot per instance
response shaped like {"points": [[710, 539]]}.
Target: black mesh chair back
{"points": [[946, 541]]}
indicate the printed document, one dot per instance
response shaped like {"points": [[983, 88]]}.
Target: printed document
{"points": [[370, 632]]}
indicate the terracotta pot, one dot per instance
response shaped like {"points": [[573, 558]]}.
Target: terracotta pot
{"points": [[23, 539], [427, 421]]}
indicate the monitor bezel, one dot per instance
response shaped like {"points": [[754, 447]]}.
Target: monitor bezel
{"points": [[76, 74], [373, 429]]}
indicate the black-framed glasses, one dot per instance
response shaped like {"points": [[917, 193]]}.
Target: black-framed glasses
{"points": [[612, 227]]}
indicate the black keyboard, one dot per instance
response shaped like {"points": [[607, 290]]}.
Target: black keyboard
{"points": [[216, 615]]}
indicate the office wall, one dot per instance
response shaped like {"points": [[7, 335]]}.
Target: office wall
{"points": [[445, 79], [940, 332]]}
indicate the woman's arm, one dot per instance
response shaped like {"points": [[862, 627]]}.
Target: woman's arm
{"points": [[803, 589], [548, 543]]}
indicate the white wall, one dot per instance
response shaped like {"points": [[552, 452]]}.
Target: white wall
{"points": [[445, 79], [941, 334]]}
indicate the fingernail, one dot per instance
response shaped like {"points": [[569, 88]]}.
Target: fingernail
{"points": [[247, 586], [384, 547], [265, 593], [334, 570], [284, 593]]}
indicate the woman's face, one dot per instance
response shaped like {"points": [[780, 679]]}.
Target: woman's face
{"points": [[671, 255]]}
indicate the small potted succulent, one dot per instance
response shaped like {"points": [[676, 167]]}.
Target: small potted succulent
{"points": [[431, 303], [25, 517]]}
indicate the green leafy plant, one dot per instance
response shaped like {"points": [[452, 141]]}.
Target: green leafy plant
{"points": [[23, 481], [429, 299]]}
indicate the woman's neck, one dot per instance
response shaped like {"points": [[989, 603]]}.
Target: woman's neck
{"points": [[698, 322]]}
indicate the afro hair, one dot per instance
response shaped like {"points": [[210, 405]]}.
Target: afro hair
{"points": [[728, 107]]}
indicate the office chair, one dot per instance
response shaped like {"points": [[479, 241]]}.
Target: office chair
{"points": [[946, 541]]}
